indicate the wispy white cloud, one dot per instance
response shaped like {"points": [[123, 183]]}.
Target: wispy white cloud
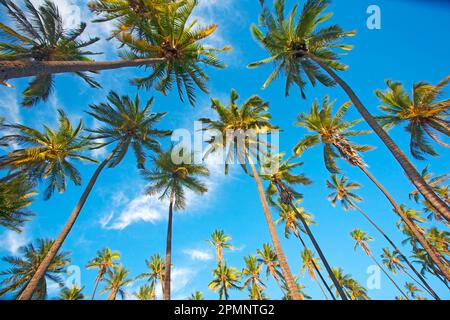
{"points": [[11, 241], [9, 107], [197, 254]]}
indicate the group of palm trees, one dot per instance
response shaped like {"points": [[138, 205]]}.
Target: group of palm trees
{"points": [[161, 36]]}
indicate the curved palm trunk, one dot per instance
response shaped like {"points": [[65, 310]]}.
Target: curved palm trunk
{"points": [[389, 277], [417, 273], [21, 69], [434, 255], [401, 158], [166, 294], [113, 295], [42, 269], [290, 281], [97, 281]]}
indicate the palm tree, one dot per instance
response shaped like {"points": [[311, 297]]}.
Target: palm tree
{"points": [[413, 290], [157, 272], [219, 240], [171, 181], [300, 287], [115, 281], [197, 295], [344, 192], [282, 181], [268, 257], [361, 239], [146, 292], [47, 154], [234, 123], [22, 269], [125, 123], [225, 279], [103, 262], [423, 112], [311, 264], [333, 132], [353, 289], [251, 273], [300, 49], [73, 293], [15, 196]]}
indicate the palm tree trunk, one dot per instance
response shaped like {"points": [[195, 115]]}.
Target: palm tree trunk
{"points": [[434, 255], [97, 281], [42, 269], [428, 288], [290, 281], [166, 294], [113, 295], [21, 69], [321, 289], [387, 275], [401, 158]]}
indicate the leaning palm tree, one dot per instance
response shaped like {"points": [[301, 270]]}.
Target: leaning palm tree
{"points": [[157, 272], [73, 293], [125, 123], [353, 289], [332, 131], [268, 257], [146, 292], [252, 280], [103, 262], [225, 279], [47, 154], [219, 240], [22, 269], [197, 295], [170, 180], [310, 263], [240, 128], [361, 238], [300, 48], [115, 282], [424, 114], [344, 192]]}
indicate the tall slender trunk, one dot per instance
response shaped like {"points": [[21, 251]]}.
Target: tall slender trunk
{"points": [[21, 69], [321, 289], [401, 158], [290, 281], [389, 277], [417, 273], [434, 255], [315, 267], [166, 294], [113, 295], [97, 281], [42, 269]]}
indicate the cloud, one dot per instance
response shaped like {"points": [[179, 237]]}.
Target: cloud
{"points": [[9, 107], [181, 277], [196, 254], [11, 241]]}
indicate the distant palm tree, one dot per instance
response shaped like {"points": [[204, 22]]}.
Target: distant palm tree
{"points": [[310, 263], [157, 272], [219, 240], [197, 295], [251, 273], [300, 48], [269, 258], [424, 113], [225, 279], [22, 269], [413, 290], [103, 262], [344, 192], [251, 118], [146, 292], [73, 293], [333, 132], [171, 181], [353, 289], [125, 123], [115, 281], [361, 239]]}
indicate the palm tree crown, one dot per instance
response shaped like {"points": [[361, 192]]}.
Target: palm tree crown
{"points": [[220, 241], [342, 191], [116, 281], [225, 279], [73, 293]]}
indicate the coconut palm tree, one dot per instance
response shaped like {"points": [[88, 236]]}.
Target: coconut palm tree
{"points": [[252, 280], [157, 272], [427, 265], [73, 293], [146, 292], [344, 192], [239, 128], [439, 239], [22, 269], [268, 257], [15, 196], [361, 239], [171, 181], [413, 290], [282, 181], [225, 279], [103, 262], [115, 281], [125, 123], [333, 132], [300, 287], [300, 48], [353, 289], [424, 114], [310, 263], [219, 240], [197, 295], [47, 154]]}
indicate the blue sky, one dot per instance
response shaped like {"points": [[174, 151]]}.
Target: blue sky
{"points": [[409, 47]]}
